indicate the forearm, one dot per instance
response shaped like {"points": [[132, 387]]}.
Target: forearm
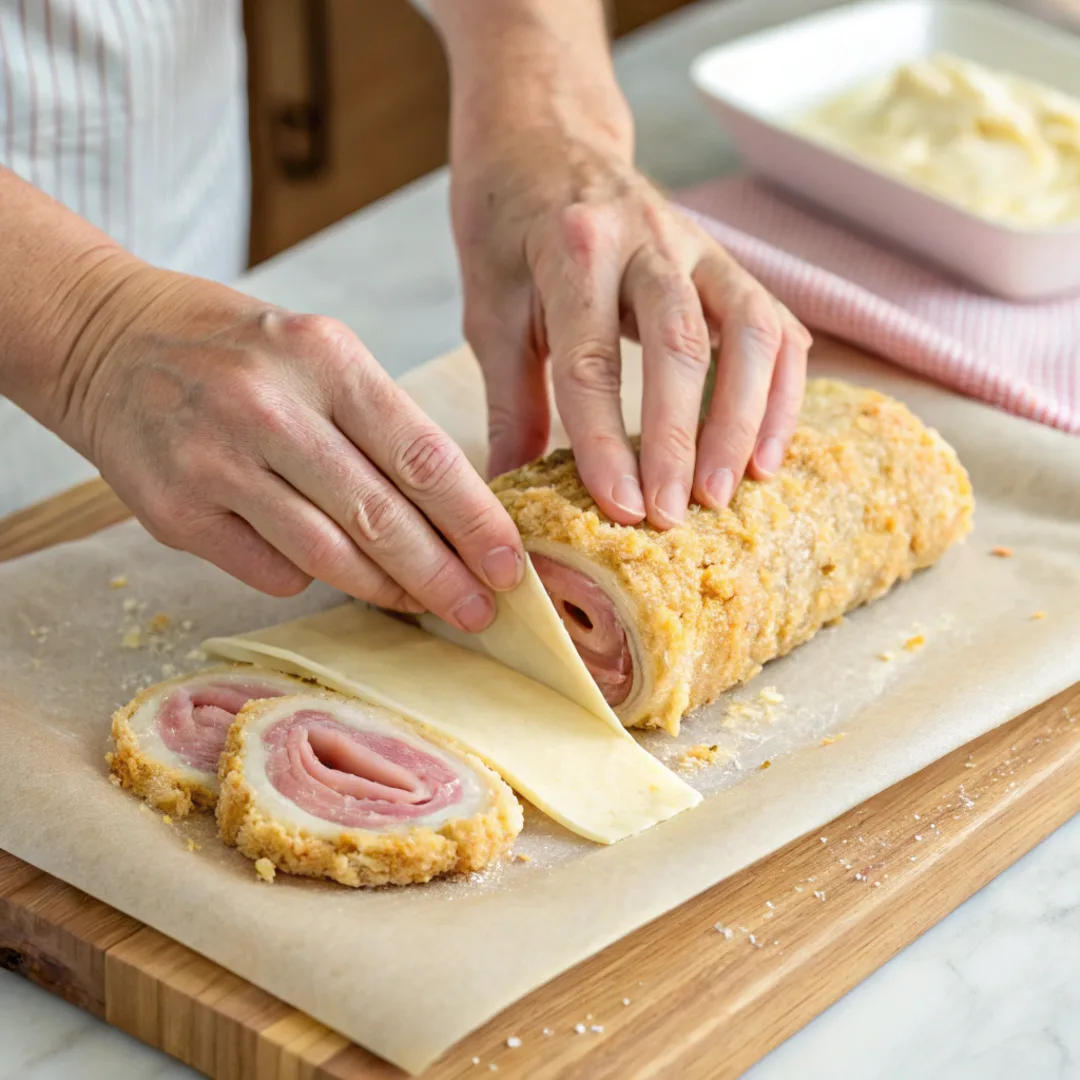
{"points": [[526, 64], [56, 273]]}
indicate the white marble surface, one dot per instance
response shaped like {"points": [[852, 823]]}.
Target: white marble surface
{"points": [[992, 992]]}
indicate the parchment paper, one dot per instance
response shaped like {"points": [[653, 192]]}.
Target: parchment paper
{"points": [[409, 972]]}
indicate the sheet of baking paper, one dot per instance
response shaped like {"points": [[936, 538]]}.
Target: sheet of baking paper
{"points": [[409, 972]]}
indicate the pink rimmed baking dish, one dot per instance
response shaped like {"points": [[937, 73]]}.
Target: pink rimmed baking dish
{"points": [[757, 85]]}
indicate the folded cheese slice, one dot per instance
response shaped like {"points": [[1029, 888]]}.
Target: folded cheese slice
{"points": [[579, 766]]}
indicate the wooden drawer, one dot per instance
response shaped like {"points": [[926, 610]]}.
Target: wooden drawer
{"points": [[349, 101]]}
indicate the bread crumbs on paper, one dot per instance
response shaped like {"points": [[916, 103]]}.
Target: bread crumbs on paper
{"points": [[885, 656], [118, 582], [160, 623], [765, 764], [1038, 614], [265, 869], [130, 604], [520, 856], [697, 757], [513, 1042], [191, 845], [166, 820], [132, 639], [830, 739], [771, 695], [1002, 552], [914, 643]]}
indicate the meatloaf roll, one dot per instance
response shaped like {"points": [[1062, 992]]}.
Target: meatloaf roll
{"points": [[168, 740], [667, 621], [328, 786]]}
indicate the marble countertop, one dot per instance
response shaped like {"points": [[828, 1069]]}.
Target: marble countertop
{"points": [[991, 992]]}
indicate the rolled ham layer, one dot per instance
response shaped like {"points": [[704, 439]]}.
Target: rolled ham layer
{"points": [[667, 621], [328, 786], [169, 739]]}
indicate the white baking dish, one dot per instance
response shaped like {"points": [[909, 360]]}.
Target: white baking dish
{"points": [[757, 85]]}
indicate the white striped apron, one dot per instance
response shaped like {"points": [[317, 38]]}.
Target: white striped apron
{"points": [[133, 113]]}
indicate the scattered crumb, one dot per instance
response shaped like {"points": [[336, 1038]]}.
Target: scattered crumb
{"points": [[476, 1061], [860, 877], [1038, 614], [548, 1032], [830, 739], [916, 642], [114, 780], [513, 1042], [168, 670], [597, 1028], [876, 884], [265, 869], [186, 625], [130, 603], [916, 816], [886, 656], [118, 582], [626, 1001], [918, 836], [765, 764], [579, 1029], [191, 845], [132, 639], [165, 819], [160, 623], [720, 928], [823, 839], [820, 894], [769, 904], [520, 856], [196, 656], [771, 695], [697, 757], [1002, 552], [493, 1067]]}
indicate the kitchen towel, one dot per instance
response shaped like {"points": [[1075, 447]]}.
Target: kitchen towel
{"points": [[1024, 358]]}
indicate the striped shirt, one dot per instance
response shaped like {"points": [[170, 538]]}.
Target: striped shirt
{"points": [[133, 113]]}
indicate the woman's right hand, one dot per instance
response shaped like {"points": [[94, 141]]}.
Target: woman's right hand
{"points": [[274, 446]]}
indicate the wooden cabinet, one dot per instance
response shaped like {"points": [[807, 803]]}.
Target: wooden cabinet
{"points": [[349, 101]]}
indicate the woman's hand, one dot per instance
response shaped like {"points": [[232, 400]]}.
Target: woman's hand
{"points": [[274, 446], [563, 245]]}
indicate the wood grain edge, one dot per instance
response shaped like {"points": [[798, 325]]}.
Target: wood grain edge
{"points": [[72, 515]]}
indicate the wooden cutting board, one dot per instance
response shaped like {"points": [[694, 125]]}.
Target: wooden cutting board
{"points": [[804, 927]]}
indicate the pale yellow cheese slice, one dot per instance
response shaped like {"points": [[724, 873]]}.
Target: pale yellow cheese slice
{"points": [[582, 769]]}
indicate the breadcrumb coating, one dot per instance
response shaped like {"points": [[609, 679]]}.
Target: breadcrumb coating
{"points": [[362, 857], [867, 495], [170, 788]]}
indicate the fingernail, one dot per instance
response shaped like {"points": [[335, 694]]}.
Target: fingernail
{"points": [[671, 501], [769, 455], [626, 495], [720, 486], [474, 613], [502, 567]]}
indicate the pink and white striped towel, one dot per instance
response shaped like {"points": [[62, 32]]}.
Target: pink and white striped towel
{"points": [[1024, 358]]}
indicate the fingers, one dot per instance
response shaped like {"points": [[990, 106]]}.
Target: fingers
{"points": [[312, 542], [232, 545], [751, 339], [579, 280], [675, 348], [785, 400], [513, 367]]}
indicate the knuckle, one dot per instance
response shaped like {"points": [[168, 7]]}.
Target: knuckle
{"points": [[684, 336], [317, 332], [377, 514], [679, 444], [761, 321], [585, 230], [427, 462], [593, 368], [325, 552]]}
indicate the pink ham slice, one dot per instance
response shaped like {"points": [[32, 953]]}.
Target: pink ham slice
{"points": [[195, 720], [357, 779], [593, 624]]}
